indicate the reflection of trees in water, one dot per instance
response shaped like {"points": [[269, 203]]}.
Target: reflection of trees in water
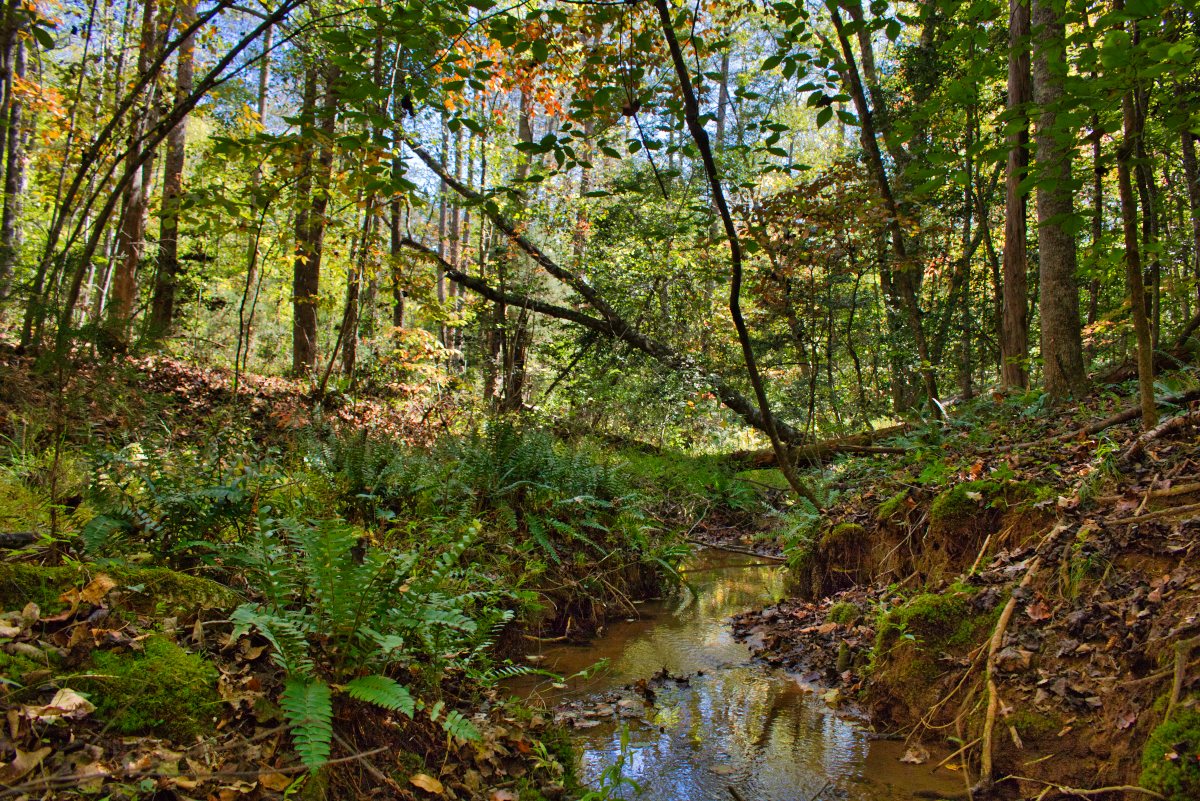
{"points": [[778, 742], [773, 739]]}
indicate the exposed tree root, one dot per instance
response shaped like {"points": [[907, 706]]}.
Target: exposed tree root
{"points": [[986, 765], [1168, 426]]}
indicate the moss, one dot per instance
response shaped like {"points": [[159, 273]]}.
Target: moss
{"points": [[892, 506], [156, 588], [1171, 758], [163, 690], [959, 507], [843, 535], [934, 622], [14, 667], [1033, 725], [843, 612]]}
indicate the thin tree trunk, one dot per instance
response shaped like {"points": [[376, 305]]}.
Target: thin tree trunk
{"points": [[162, 308], [700, 137], [1191, 176], [132, 237], [1014, 324], [1133, 267], [14, 180], [305, 280]]}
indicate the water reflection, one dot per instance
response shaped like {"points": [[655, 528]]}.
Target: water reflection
{"points": [[738, 724]]}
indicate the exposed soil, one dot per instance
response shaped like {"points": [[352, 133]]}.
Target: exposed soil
{"points": [[1104, 578]]}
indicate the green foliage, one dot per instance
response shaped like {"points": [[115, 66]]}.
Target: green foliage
{"points": [[1171, 758], [308, 706], [177, 505], [338, 610], [162, 689], [156, 589]]}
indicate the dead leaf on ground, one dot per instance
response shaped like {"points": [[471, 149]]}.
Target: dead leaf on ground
{"points": [[66, 704], [24, 762], [427, 783], [915, 755], [93, 593], [275, 781]]}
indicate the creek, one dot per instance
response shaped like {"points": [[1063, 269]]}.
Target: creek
{"points": [[735, 722]]}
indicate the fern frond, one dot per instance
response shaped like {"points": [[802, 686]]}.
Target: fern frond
{"points": [[308, 706], [458, 726], [384, 693], [287, 635]]}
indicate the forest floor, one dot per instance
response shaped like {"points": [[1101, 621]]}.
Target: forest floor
{"points": [[1023, 587]]}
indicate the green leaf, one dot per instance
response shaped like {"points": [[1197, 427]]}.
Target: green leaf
{"points": [[384, 693], [541, 50], [824, 116], [308, 707]]}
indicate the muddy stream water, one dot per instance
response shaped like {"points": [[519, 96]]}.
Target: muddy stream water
{"points": [[735, 723]]}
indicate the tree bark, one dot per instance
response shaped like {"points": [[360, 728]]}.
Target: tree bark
{"points": [[1133, 267], [1191, 175], [131, 239], [14, 179], [1014, 325], [1058, 304], [162, 308]]}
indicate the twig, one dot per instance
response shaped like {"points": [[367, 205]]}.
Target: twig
{"points": [[1162, 429], [1183, 649], [1161, 513], [733, 549], [971, 744], [1082, 793]]}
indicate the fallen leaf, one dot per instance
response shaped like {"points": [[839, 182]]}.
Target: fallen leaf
{"points": [[24, 762], [66, 704], [503, 795], [1038, 611], [427, 783], [275, 781], [915, 755], [93, 593]]}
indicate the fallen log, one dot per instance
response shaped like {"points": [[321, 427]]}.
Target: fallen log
{"points": [[818, 453]]}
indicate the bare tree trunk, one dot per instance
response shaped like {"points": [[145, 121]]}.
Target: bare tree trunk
{"points": [[1133, 266], [309, 229], [250, 291], [14, 179], [132, 237], [162, 308], [1062, 344], [1014, 325], [904, 277], [1191, 175]]}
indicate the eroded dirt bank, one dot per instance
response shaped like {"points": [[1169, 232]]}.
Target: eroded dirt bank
{"points": [[1037, 607]]}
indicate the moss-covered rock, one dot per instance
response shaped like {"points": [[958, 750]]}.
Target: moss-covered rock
{"points": [[161, 689], [1171, 758], [847, 536], [155, 589]]}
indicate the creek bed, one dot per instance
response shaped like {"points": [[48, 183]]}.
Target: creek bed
{"points": [[735, 723]]}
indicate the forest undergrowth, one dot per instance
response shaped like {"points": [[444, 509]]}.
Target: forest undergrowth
{"points": [[253, 594]]}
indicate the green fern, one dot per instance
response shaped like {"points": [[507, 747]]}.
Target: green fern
{"points": [[384, 693], [308, 706]]}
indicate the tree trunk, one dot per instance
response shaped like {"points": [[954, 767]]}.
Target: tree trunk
{"points": [[1133, 267], [308, 228], [162, 308], [1191, 175], [132, 236], [700, 137], [250, 291], [14, 179], [1014, 325], [1058, 304]]}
